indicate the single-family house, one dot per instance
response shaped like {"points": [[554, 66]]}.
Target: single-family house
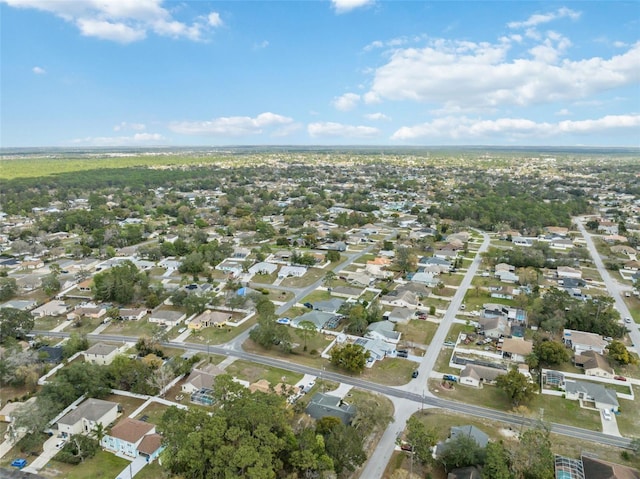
{"points": [[134, 314], [522, 241], [150, 447], [475, 375], [295, 271], [507, 276], [581, 341], [360, 278], [329, 306], [516, 349], [472, 432], [404, 298], [101, 353], [167, 317], [202, 377], [230, 267], [323, 405], [21, 304], [430, 280], [263, 268], [594, 364], [384, 330], [441, 263], [93, 312], [52, 308], [84, 418], [445, 254], [595, 468], [318, 318], [500, 267], [503, 292], [29, 282], [50, 354], [400, 315], [8, 411], [126, 436], [568, 272], [603, 398], [494, 328], [210, 318]]}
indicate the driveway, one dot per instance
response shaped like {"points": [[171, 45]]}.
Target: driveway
{"points": [[610, 426], [49, 450]]}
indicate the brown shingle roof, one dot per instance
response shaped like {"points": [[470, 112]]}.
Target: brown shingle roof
{"points": [[150, 443], [131, 430]]}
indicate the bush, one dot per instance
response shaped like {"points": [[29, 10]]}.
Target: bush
{"points": [[77, 449]]}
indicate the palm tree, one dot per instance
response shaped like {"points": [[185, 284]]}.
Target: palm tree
{"points": [[329, 278], [306, 329]]}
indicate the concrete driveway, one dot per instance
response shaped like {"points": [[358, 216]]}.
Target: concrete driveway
{"points": [[610, 426]]}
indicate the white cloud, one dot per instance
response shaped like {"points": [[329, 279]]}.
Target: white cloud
{"points": [[38, 70], [477, 76], [346, 102], [563, 112], [122, 21], [330, 129], [538, 19], [472, 129], [377, 116], [231, 126], [129, 126], [344, 6], [137, 139], [261, 45], [214, 19]]}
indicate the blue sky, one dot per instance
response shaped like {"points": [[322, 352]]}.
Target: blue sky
{"points": [[339, 72]]}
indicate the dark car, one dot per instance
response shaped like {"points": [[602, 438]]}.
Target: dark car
{"points": [[620, 378], [406, 447], [308, 305], [449, 377], [414, 374]]}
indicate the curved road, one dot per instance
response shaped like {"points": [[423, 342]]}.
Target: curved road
{"points": [[478, 411]]}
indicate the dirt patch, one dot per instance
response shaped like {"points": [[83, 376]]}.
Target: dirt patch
{"points": [[508, 432]]}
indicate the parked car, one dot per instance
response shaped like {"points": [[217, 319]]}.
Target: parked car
{"points": [[627, 320], [606, 414], [449, 377], [19, 463], [60, 444], [414, 374], [406, 447], [308, 305], [620, 378]]}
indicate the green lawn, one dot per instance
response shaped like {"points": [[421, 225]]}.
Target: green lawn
{"points": [[265, 278], [153, 471], [48, 322], [417, 331], [312, 275], [220, 335], [451, 279], [103, 465], [442, 363], [154, 412], [253, 372], [389, 371], [317, 295], [128, 404], [137, 328], [628, 419]]}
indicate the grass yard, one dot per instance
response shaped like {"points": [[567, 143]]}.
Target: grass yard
{"points": [[312, 275], [389, 371], [629, 419], [265, 278], [103, 465], [451, 279], [556, 409], [417, 331], [154, 412], [128, 404], [317, 343], [368, 296], [87, 326], [253, 372], [48, 323], [137, 328], [442, 363], [153, 471], [220, 335], [317, 295]]}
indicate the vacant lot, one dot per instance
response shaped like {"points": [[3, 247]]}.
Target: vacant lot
{"points": [[417, 331]]}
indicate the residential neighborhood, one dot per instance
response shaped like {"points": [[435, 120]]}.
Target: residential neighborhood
{"points": [[373, 297]]}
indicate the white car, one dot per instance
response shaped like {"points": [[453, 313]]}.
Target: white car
{"points": [[60, 443], [606, 414], [627, 320]]}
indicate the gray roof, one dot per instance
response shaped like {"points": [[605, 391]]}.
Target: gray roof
{"points": [[385, 328], [471, 431], [319, 318], [92, 410], [101, 349], [323, 405], [330, 306], [595, 391]]}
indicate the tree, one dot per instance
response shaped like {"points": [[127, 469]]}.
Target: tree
{"points": [[161, 377], [50, 284], [496, 462], [351, 357], [8, 288], [75, 343], [618, 352], [357, 320], [306, 329], [344, 445], [516, 386], [14, 324], [551, 353], [405, 259], [533, 458], [121, 284], [462, 451], [369, 415], [329, 278], [333, 256], [192, 263], [421, 439]]}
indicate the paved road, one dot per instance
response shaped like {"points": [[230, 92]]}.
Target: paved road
{"points": [[429, 360], [390, 391], [613, 287]]}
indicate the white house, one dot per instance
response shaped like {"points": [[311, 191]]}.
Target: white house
{"points": [[581, 341], [52, 308], [87, 416], [167, 317], [263, 268], [101, 354], [296, 271], [569, 272], [585, 391]]}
